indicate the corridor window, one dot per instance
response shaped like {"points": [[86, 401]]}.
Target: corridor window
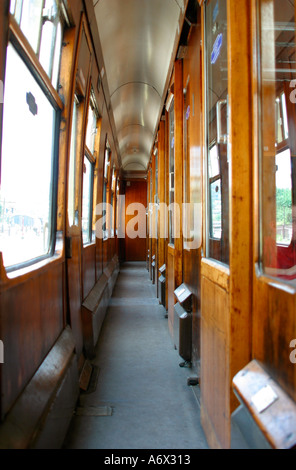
{"points": [[27, 199], [91, 126], [171, 170], [72, 177], [112, 202], [88, 172], [217, 117], [278, 147], [87, 200], [107, 164], [215, 194], [41, 21]]}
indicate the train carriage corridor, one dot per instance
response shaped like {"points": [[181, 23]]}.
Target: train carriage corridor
{"points": [[148, 224], [141, 399]]}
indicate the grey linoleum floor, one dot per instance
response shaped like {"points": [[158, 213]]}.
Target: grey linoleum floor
{"points": [[140, 387]]}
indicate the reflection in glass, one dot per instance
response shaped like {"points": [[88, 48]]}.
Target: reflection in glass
{"points": [[217, 131], [215, 209], [278, 146]]}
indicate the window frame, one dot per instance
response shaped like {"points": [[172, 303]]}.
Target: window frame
{"points": [[22, 47], [92, 161], [62, 19], [106, 186], [172, 158], [91, 156], [280, 275]]}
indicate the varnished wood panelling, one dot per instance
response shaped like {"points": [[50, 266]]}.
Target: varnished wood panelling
{"points": [[215, 382], [217, 273], [88, 268], [274, 328], [75, 292], [32, 319], [161, 193], [178, 102], [192, 255], [135, 248], [240, 301], [171, 287]]}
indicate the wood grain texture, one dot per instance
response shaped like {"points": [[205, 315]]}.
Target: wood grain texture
{"points": [[215, 380], [32, 319], [193, 169], [135, 248], [274, 302], [241, 230], [278, 421], [171, 287]]}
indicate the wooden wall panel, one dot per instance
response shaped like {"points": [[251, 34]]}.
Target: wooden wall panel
{"points": [[88, 269], [32, 320], [192, 255], [178, 102], [241, 230], [135, 249], [161, 193], [273, 328], [215, 382], [170, 274], [34, 303]]}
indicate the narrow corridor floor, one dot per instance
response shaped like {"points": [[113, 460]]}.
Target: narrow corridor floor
{"points": [[141, 391]]}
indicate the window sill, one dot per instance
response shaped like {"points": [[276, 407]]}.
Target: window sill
{"points": [[35, 268], [10, 279]]}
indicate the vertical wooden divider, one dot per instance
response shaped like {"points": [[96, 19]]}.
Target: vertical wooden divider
{"points": [[178, 92]]}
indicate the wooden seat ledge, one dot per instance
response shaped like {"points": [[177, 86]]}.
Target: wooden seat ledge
{"points": [[269, 405], [95, 295]]}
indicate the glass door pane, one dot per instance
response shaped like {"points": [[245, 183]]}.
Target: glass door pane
{"points": [[217, 130], [277, 138]]}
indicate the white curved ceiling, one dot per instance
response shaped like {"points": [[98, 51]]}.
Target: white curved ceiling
{"points": [[137, 39]]}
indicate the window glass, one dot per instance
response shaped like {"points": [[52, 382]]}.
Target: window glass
{"points": [[16, 9], [87, 201], [27, 193], [117, 206], [91, 128], [156, 177], [215, 209], [105, 188], [217, 246], [31, 21], [277, 142], [41, 23], [72, 209], [12, 6], [171, 170], [283, 198], [57, 56]]}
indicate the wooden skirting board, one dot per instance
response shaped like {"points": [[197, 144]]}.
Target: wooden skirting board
{"points": [[95, 305], [36, 421]]}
